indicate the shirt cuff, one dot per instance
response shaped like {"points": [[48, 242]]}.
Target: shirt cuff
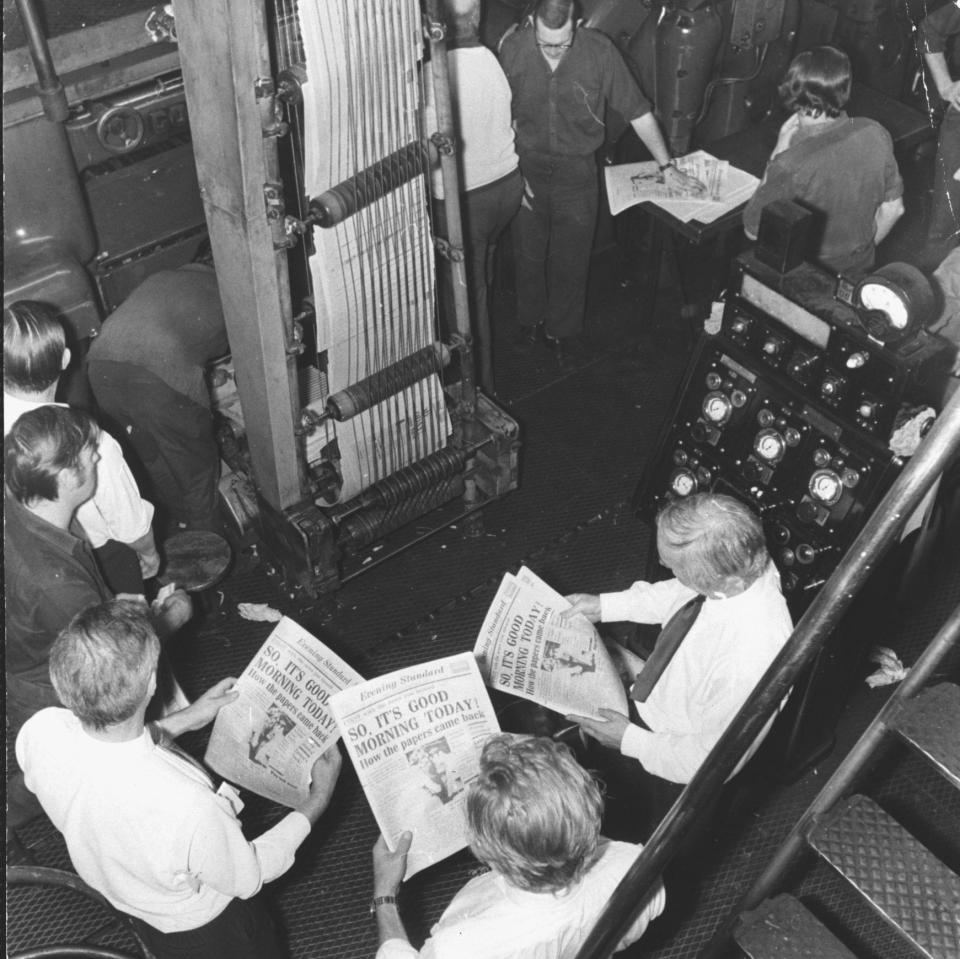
{"points": [[396, 949], [276, 847], [634, 741]]}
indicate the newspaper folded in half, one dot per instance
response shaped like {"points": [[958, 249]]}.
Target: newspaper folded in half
{"points": [[415, 738], [525, 648], [268, 739]]}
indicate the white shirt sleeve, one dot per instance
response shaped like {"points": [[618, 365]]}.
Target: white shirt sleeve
{"points": [[116, 511], [644, 602], [222, 858], [401, 949]]}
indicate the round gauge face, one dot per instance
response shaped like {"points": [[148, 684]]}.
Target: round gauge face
{"points": [[826, 487], [716, 407], [684, 483], [769, 444], [890, 302]]}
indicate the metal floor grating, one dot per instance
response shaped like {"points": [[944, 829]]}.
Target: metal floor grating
{"points": [[586, 435]]}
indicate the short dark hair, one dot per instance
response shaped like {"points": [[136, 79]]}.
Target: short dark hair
{"points": [[534, 813], [40, 445], [463, 18], [102, 663], [553, 14], [818, 82], [34, 339]]}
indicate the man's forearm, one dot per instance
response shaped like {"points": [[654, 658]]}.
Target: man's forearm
{"points": [[887, 215], [937, 65], [389, 923], [647, 128]]}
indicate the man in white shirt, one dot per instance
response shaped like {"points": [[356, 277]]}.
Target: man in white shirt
{"points": [[714, 545], [488, 167], [142, 822], [534, 818], [116, 520]]}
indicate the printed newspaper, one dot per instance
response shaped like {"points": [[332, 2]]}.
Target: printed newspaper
{"points": [[415, 737], [268, 739], [525, 648], [726, 187]]}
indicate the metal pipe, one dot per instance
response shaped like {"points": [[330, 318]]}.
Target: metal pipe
{"points": [[50, 89], [451, 192], [810, 634]]}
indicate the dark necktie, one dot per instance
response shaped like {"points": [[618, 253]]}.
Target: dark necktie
{"points": [[668, 642]]}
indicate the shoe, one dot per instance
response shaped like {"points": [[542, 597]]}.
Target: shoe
{"points": [[527, 338]]}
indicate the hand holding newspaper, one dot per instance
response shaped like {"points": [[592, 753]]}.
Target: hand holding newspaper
{"points": [[727, 187], [268, 739], [525, 648], [415, 737]]}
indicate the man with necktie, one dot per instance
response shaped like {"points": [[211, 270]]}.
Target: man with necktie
{"points": [[725, 620]]}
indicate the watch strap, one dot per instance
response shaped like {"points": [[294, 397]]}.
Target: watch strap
{"points": [[381, 901], [663, 166]]}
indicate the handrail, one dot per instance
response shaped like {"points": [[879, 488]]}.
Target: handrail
{"points": [[811, 632], [843, 778]]}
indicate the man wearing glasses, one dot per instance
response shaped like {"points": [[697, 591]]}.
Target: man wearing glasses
{"points": [[564, 81]]}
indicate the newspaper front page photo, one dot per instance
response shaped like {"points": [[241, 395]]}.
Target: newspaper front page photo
{"points": [[268, 739], [415, 738]]}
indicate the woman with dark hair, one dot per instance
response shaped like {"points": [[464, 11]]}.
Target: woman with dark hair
{"points": [[841, 168]]}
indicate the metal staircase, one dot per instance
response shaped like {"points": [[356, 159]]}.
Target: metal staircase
{"points": [[895, 874]]}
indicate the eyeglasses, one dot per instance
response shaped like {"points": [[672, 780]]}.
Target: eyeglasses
{"points": [[554, 48]]}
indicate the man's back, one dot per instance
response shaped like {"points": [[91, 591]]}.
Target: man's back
{"points": [[129, 812], [172, 325], [490, 919]]}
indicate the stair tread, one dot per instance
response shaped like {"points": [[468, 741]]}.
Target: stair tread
{"points": [[930, 722], [899, 876], [783, 928]]}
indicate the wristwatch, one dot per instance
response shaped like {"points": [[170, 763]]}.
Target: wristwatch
{"points": [[662, 166], [381, 901]]}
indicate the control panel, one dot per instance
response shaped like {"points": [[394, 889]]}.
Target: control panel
{"points": [[790, 408]]}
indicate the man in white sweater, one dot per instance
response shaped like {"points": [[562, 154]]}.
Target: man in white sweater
{"points": [[488, 167], [142, 822]]}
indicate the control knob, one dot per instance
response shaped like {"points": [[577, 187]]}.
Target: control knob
{"points": [[832, 387]]}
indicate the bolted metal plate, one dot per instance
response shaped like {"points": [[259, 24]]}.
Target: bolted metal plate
{"points": [[900, 878], [783, 928], [931, 723]]}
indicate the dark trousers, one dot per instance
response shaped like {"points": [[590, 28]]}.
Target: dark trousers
{"points": [[244, 930], [171, 435], [945, 210], [486, 212], [554, 239], [120, 567]]}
